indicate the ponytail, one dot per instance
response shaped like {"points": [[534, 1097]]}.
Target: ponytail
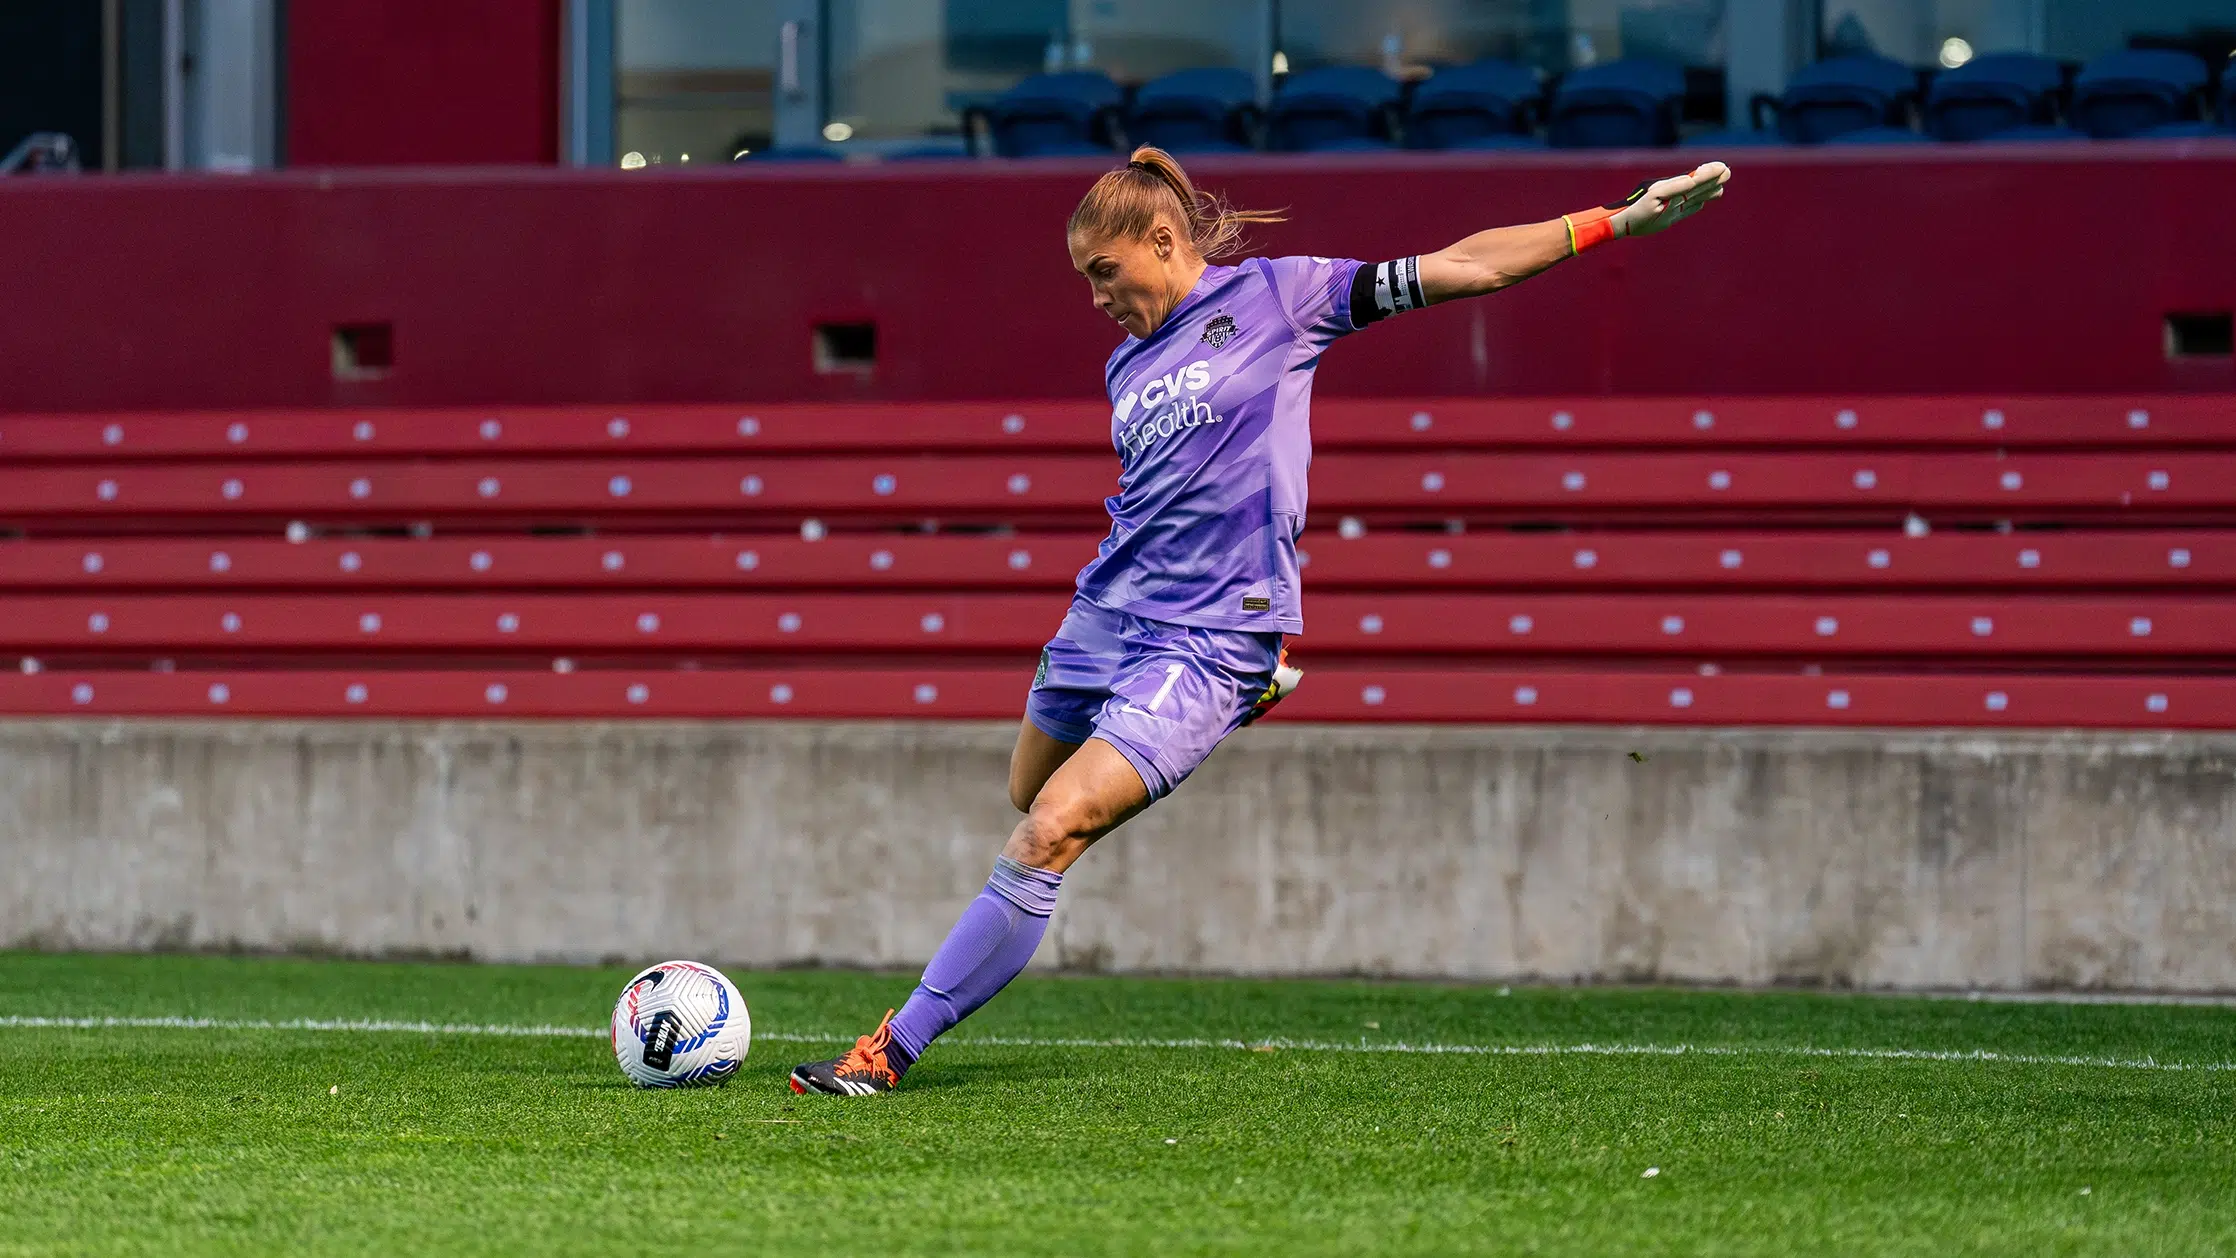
{"points": [[1125, 203]]}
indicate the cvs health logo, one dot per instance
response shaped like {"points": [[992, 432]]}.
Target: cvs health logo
{"points": [[1195, 378], [1165, 410]]}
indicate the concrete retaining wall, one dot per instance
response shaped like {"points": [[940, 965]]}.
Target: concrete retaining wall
{"points": [[1874, 859]]}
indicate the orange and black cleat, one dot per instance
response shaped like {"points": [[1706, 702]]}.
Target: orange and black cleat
{"points": [[1285, 679], [863, 1070]]}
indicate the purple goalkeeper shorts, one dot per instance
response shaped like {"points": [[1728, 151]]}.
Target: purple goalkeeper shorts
{"points": [[1162, 694]]}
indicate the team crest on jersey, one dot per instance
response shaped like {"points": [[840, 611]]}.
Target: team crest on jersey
{"points": [[1219, 331]]}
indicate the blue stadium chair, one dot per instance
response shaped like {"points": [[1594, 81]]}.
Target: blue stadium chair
{"points": [[1992, 93], [1737, 137], [1631, 103], [931, 152], [1073, 114], [790, 155], [1352, 144], [1841, 95], [2121, 93], [1479, 105], [2194, 130], [1880, 135], [2034, 132], [1487, 143], [1195, 111], [1332, 108]]}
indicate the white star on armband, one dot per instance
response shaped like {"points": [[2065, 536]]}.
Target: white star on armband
{"points": [[1384, 289]]}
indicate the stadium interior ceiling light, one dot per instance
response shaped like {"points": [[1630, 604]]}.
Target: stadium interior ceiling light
{"points": [[632, 161], [1955, 51], [838, 132]]}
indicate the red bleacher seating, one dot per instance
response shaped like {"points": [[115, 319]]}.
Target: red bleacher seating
{"points": [[1352, 423], [1341, 692], [997, 488], [1607, 559], [1710, 561], [1721, 626]]}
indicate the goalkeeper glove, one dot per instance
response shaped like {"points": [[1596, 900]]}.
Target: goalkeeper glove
{"points": [[1655, 205]]}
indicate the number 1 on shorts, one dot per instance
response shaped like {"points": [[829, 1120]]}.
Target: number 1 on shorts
{"points": [[1172, 677]]}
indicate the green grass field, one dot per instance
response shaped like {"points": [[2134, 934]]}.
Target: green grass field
{"points": [[2097, 1129]]}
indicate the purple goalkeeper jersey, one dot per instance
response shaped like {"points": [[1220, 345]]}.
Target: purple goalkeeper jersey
{"points": [[1209, 414]]}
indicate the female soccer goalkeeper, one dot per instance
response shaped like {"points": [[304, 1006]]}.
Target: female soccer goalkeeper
{"points": [[1174, 638]]}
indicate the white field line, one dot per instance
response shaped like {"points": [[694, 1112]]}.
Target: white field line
{"points": [[2192, 999], [548, 1031]]}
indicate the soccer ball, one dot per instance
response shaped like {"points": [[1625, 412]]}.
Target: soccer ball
{"points": [[680, 1025]]}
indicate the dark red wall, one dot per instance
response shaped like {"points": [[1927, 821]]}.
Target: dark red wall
{"points": [[1956, 270], [423, 82]]}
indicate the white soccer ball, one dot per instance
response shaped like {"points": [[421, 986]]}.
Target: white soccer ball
{"points": [[680, 1024]]}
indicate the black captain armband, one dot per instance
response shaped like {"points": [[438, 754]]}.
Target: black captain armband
{"points": [[1383, 289]]}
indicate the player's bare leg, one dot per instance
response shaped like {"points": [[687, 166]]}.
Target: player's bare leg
{"points": [[1093, 790], [1033, 761]]}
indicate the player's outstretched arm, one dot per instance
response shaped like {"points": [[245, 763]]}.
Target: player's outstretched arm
{"points": [[1505, 256]]}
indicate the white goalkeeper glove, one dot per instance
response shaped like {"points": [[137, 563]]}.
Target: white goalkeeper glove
{"points": [[1654, 206]]}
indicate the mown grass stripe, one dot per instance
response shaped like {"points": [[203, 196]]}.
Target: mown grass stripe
{"points": [[1278, 1043]]}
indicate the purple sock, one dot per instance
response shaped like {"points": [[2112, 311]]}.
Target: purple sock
{"points": [[988, 947]]}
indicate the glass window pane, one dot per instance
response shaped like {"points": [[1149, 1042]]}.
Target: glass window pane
{"points": [[693, 78], [1406, 37], [1137, 40], [1920, 31], [901, 68], [1914, 32], [896, 69], [2080, 29]]}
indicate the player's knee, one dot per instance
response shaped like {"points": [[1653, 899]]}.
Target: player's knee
{"points": [[1047, 836], [1038, 840]]}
